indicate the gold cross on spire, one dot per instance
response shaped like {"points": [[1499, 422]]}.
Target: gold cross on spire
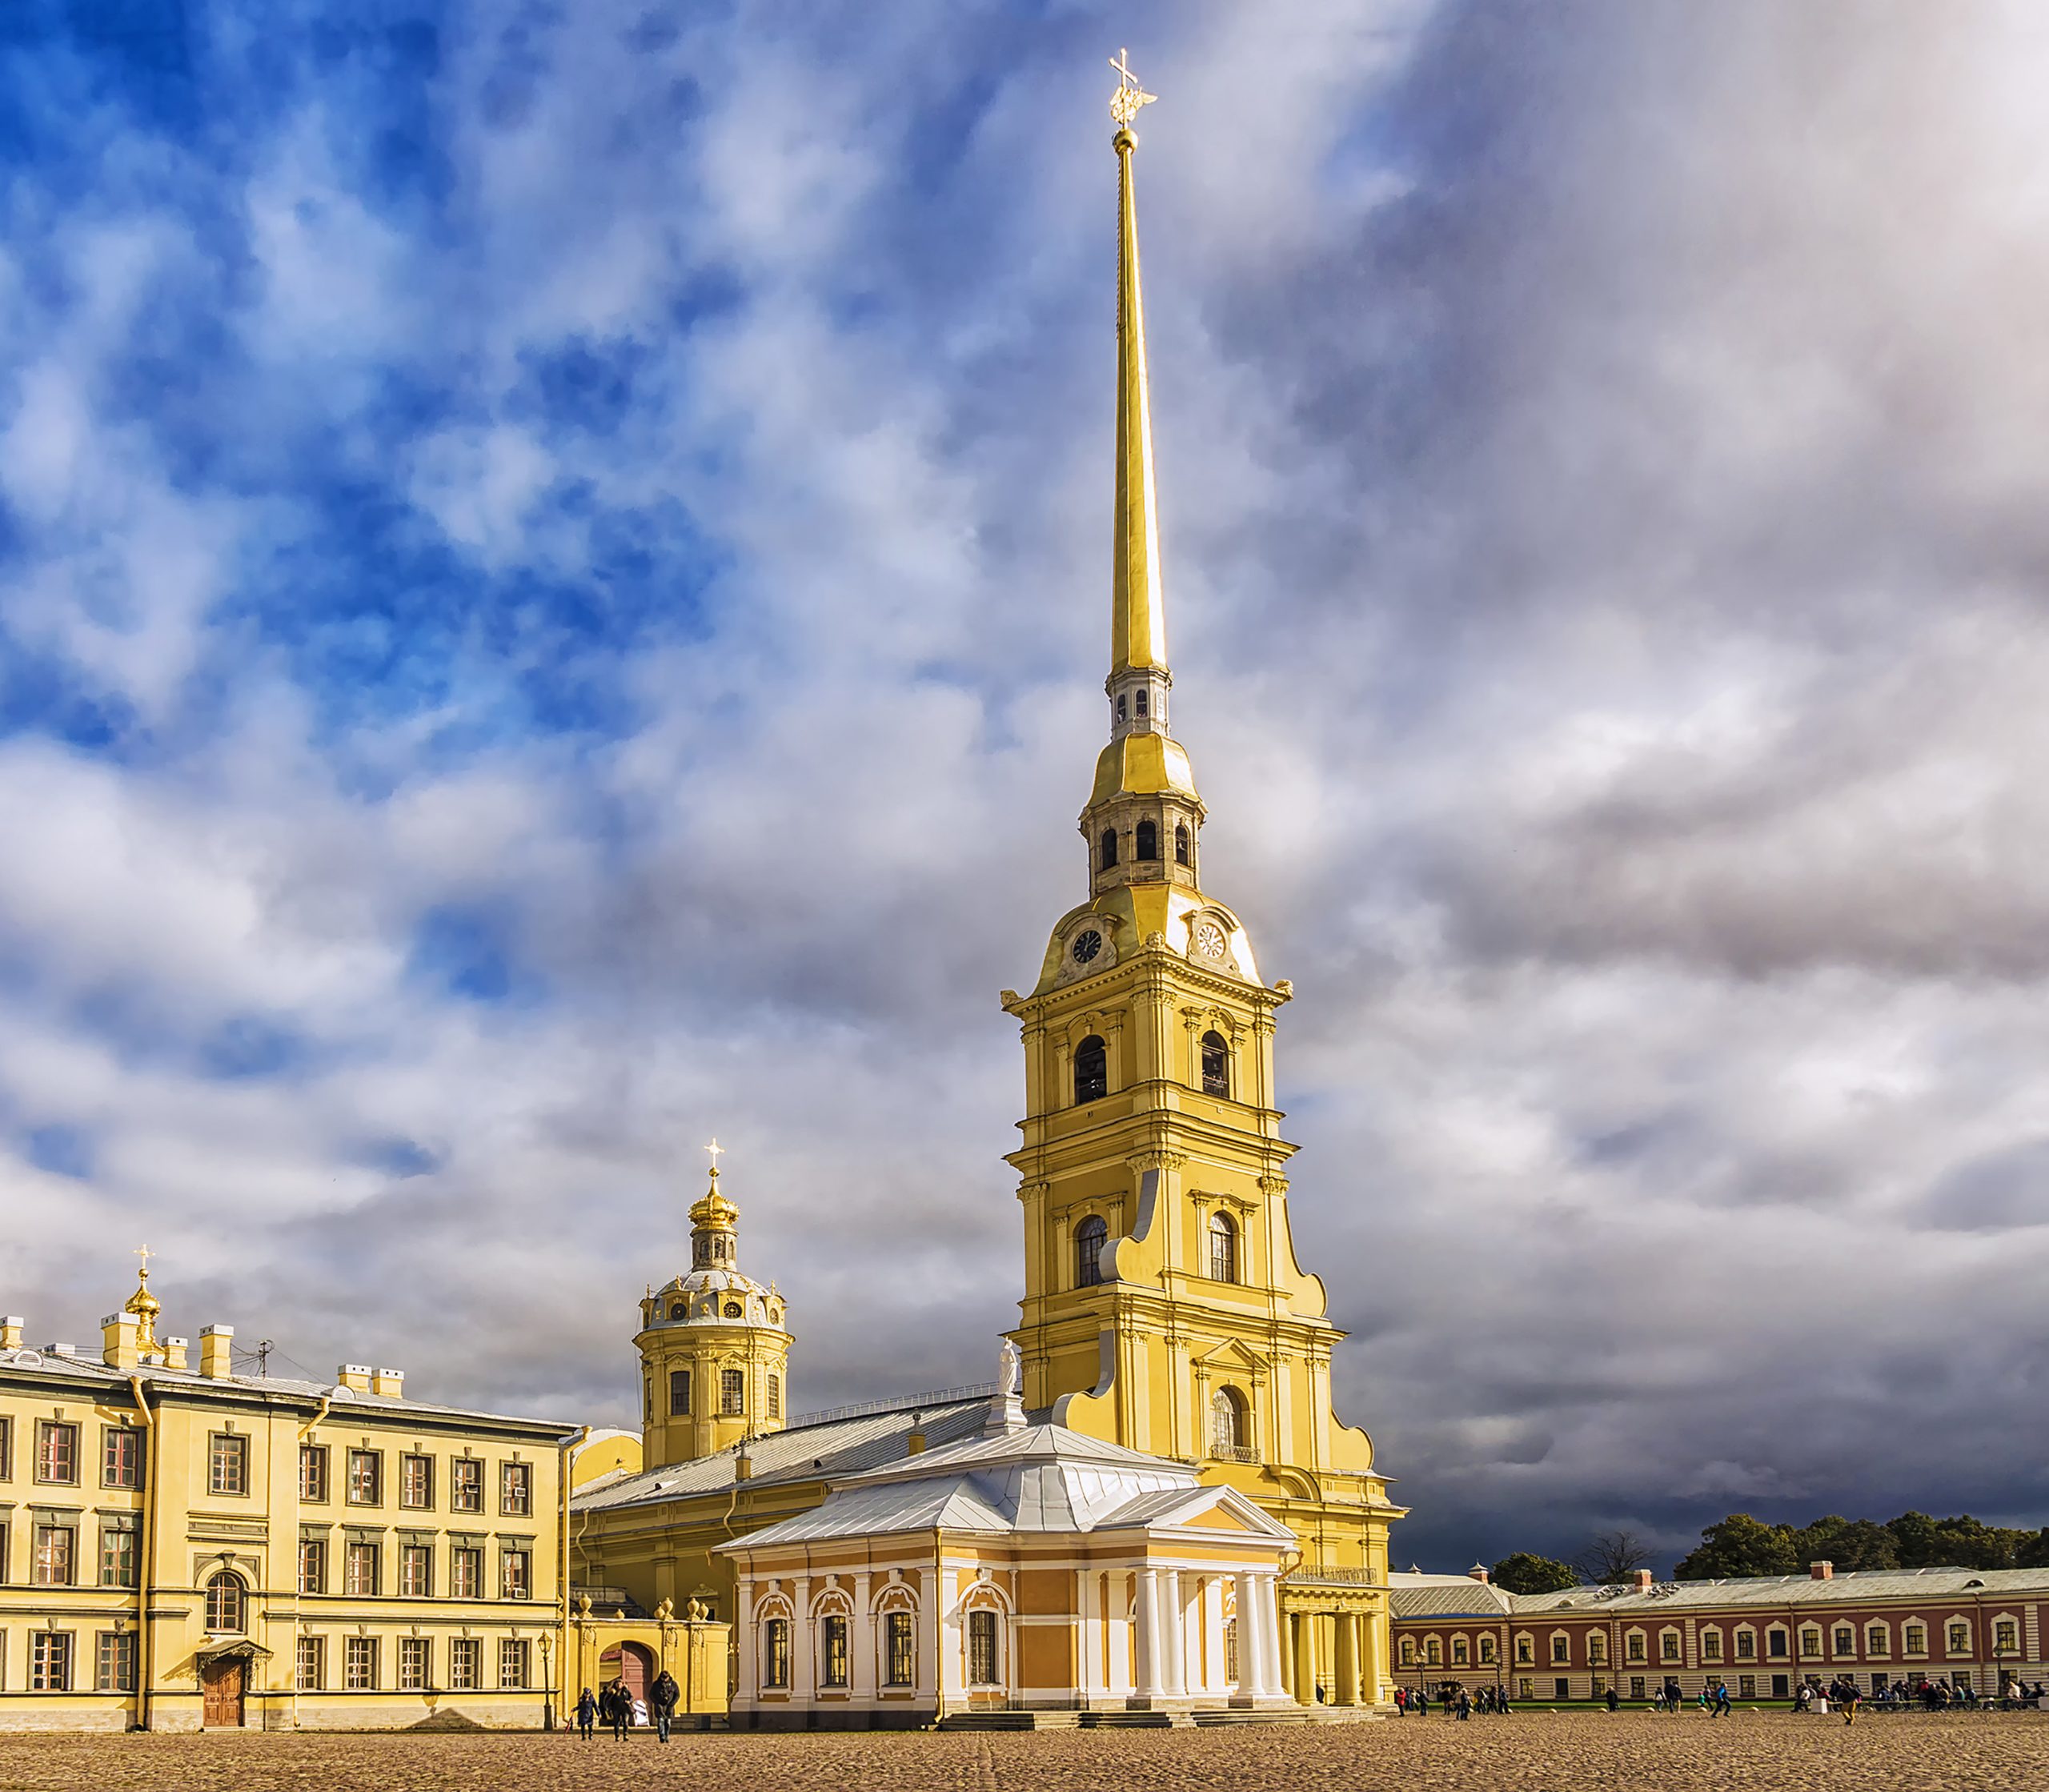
{"points": [[1129, 96], [145, 1253], [716, 1151]]}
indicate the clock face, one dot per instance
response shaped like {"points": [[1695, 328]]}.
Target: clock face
{"points": [[1086, 945], [1209, 940]]}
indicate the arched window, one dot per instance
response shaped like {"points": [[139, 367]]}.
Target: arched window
{"points": [[775, 1396], [733, 1391], [1223, 1249], [224, 1603], [1180, 844], [1106, 854], [1227, 1423], [1138, 703], [680, 1393], [1215, 1065], [1120, 709], [1149, 841], [1091, 1070], [775, 1652], [1089, 1238], [1408, 1652]]}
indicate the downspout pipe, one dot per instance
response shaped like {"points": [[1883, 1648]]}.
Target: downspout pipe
{"points": [[558, 1706], [146, 1562]]}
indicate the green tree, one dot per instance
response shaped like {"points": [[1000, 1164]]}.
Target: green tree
{"points": [[1850, 1544], [1737, 1547], [1524, 1573], [1961, 1542], [2034, 1549]]}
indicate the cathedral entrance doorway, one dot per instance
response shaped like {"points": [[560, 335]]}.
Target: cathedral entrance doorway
{"points": [[222, 1683], [632, 1665]]}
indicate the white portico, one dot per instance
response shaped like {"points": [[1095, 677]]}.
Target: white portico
{"points": [[1029, 1568]]}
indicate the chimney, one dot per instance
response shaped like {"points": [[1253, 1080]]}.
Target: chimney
{"points": [[354, 1377], [216, 1351], [10, 1331], [1476, 1572], [1644, 1580], [915, 1443], [174, 1352], [390, 1382], [118, 1346], [743, 1467], [1821, 1570]]}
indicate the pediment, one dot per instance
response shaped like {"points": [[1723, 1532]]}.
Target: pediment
{"points": [[1233, 1354]]}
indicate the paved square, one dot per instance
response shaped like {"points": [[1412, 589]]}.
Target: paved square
{"points": [[1534, 1752]]}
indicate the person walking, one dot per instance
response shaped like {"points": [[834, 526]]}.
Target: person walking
{"points": [[1722, 1705], [622, 1709], [1852, 1698], [587, 1713], [663, 1695], [1614, 1701], [1465, 1706]]}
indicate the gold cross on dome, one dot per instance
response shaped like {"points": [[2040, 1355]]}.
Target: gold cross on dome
{"points": [[145, 1253], [1129, 96], [716, 1151]]}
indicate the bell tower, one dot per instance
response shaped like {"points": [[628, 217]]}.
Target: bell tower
{"points": [[1164, 1307], [714, 1345]]}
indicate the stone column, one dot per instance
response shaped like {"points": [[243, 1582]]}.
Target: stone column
{"points": [[1346, 1690], [861, 1643], [1272, 1673], [1373, 1669], [1173, 1629], [1147, 1612], [1305, 1658], [1258, 1654]]}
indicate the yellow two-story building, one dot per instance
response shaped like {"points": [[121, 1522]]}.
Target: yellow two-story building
{"points": [[185, 1546]]}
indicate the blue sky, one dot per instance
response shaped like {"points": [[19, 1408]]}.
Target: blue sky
{"points": [[552, 585]]}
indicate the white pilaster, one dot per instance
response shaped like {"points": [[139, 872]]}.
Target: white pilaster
{"points": [[803, 1661], [862, 1643], [952, 1667], [749, 1670], [929, 1633]]}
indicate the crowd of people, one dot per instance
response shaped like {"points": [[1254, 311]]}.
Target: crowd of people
{"points": [[615, 1705], [1840, 1696]]}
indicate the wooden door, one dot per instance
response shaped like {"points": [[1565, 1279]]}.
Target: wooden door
{"points": [[223, 1684]]}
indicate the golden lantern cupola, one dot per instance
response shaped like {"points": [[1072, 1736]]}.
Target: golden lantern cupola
{"points": [[713, 1344]]}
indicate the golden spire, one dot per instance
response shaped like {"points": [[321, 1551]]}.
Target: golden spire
{"points": [[144, 1306], [1138, 615]]}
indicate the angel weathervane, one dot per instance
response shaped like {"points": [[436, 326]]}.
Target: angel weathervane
{"points": [[1129, 96]]}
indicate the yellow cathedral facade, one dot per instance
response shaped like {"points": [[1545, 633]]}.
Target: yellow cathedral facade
{"points": [[1169, 1347], [1151, 1515]]}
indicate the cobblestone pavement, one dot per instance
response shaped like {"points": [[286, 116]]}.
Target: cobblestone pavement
{"points": [[1533, 1752]]}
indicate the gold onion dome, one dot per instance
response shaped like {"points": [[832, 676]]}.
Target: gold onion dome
{"points": [[713, 1291], [145, 1307]]}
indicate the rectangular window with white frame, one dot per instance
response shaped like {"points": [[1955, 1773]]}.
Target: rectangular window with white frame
{"points": [[56, 1453], [56, 1555], [516, 1490], [227, 1463], [359, 1664], [514, 1664], [416, 1664], [115, 1670], [516, 1575], [311, 1663], [120, 1457], [465, 1656], [50, 1661]]}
